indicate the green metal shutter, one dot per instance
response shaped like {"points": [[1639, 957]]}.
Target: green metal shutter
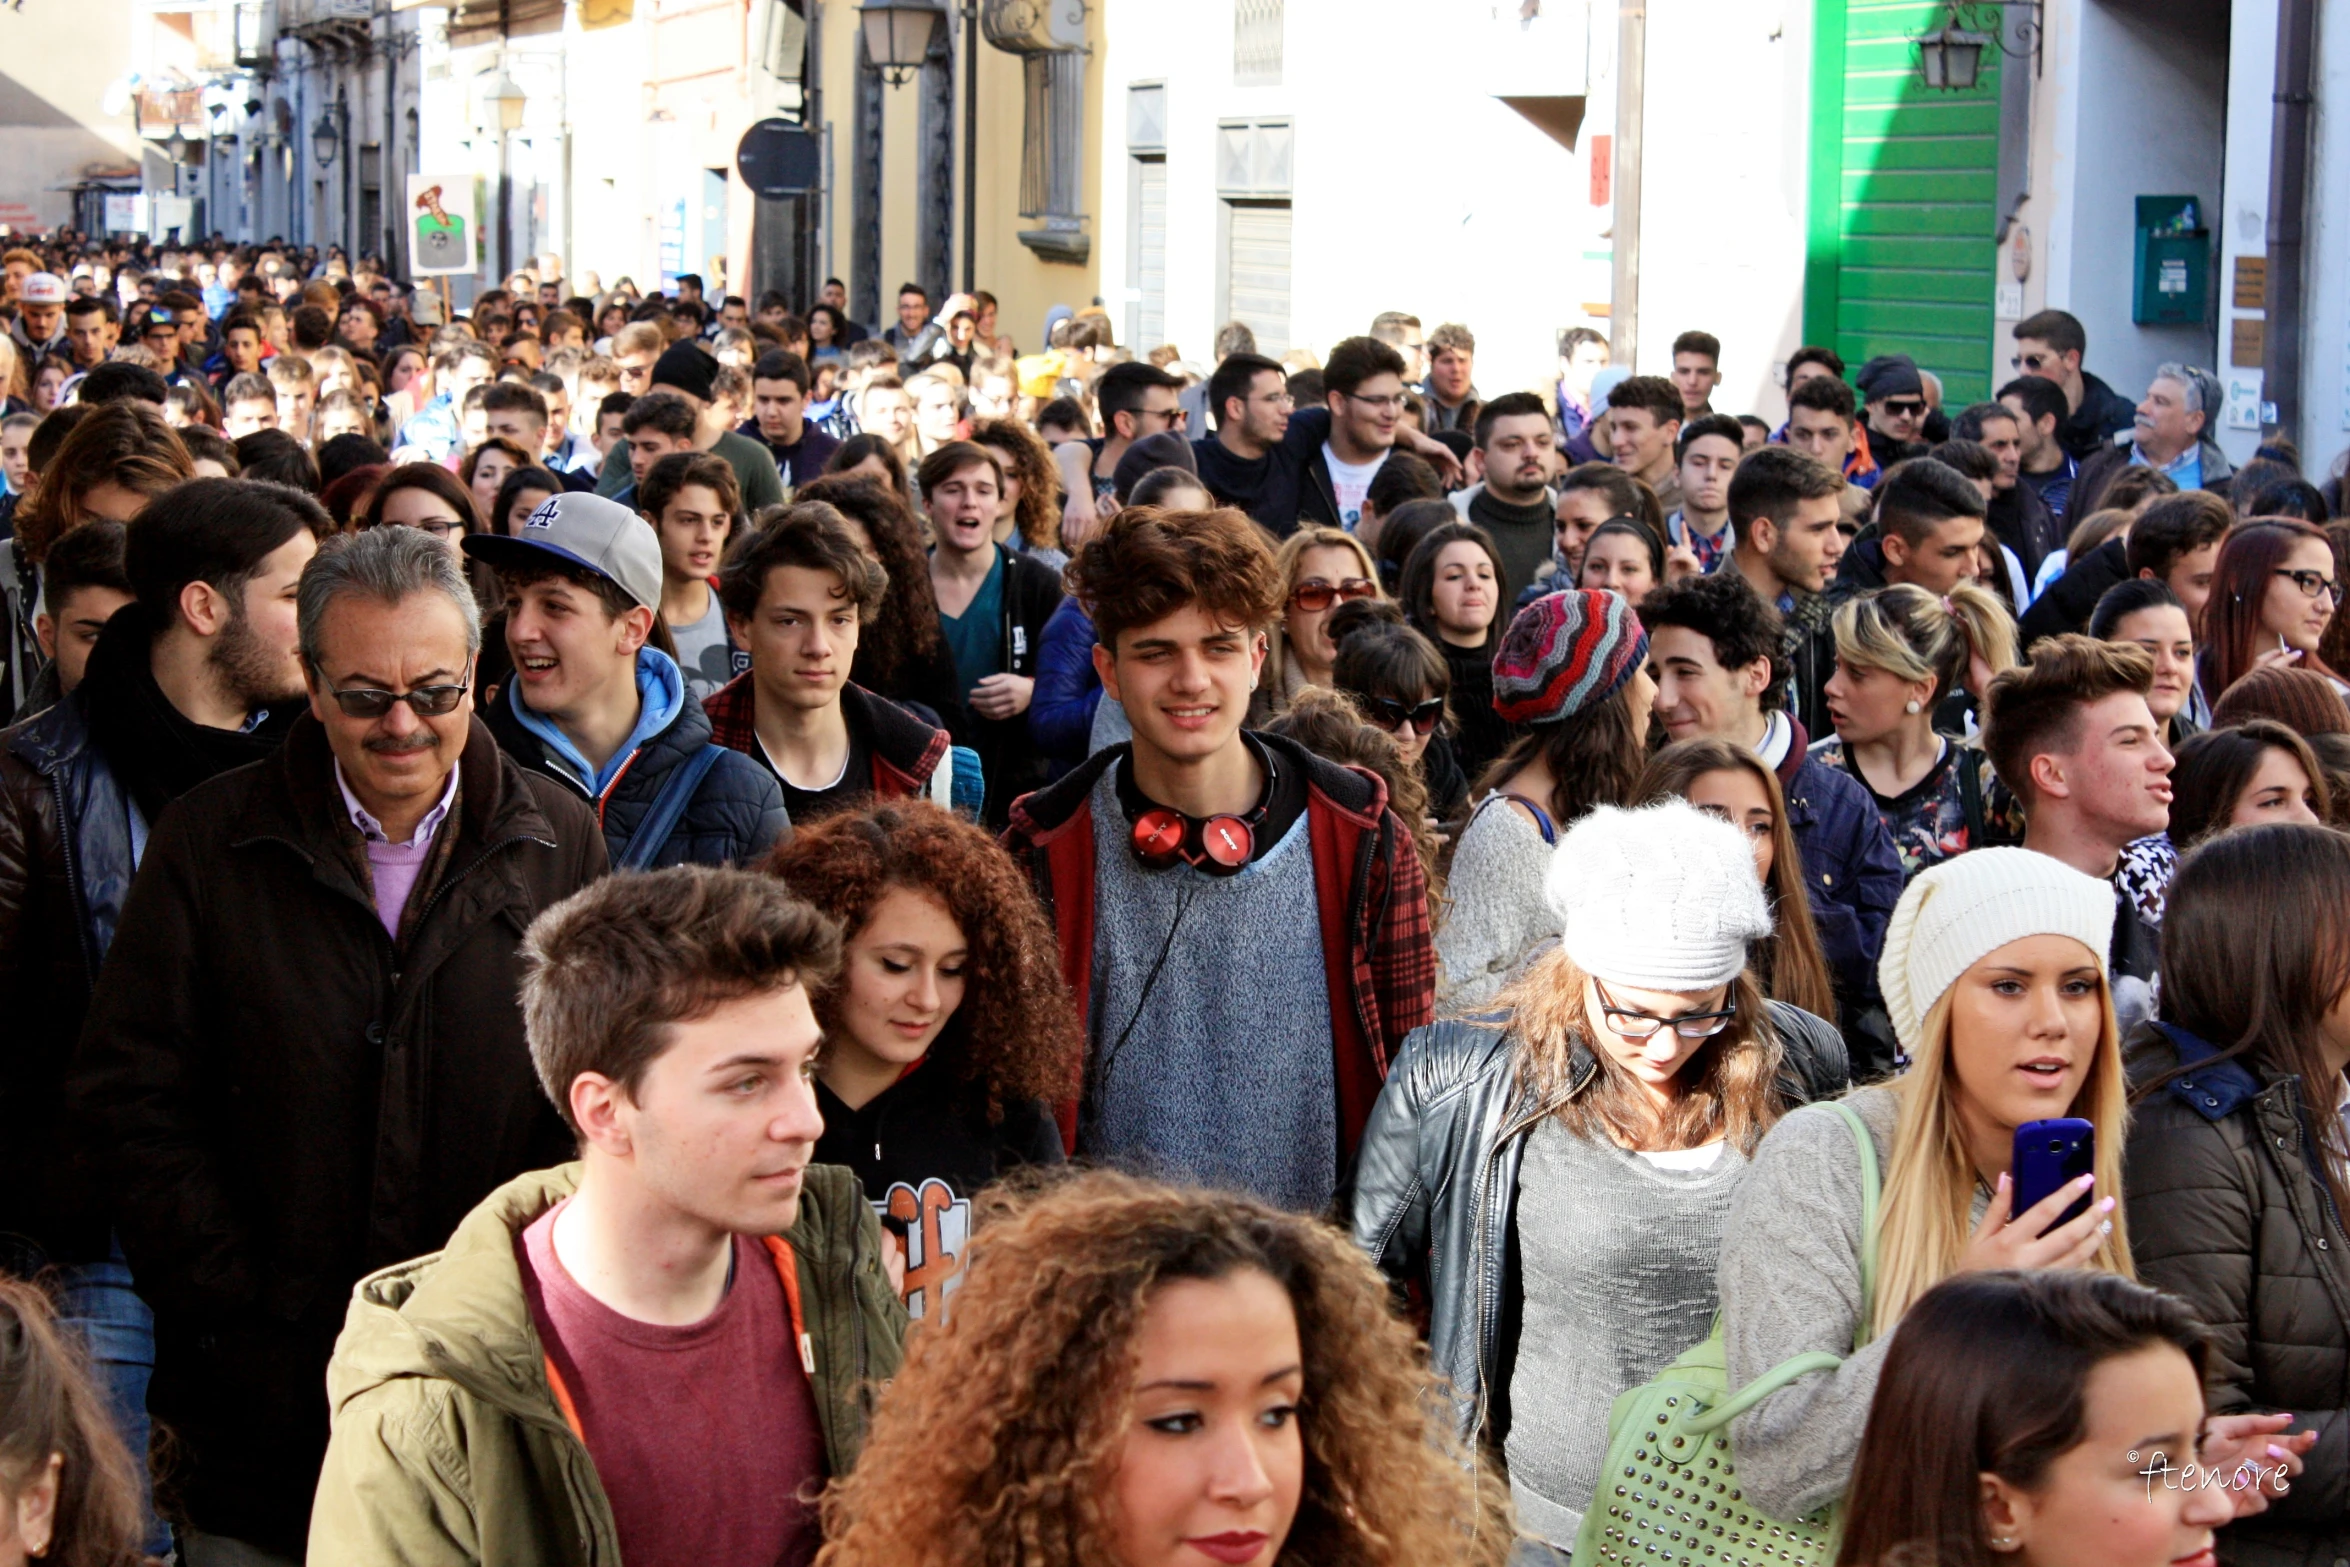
{"points": [[1903, 218]]}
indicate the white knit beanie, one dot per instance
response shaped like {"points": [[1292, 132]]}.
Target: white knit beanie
{"points": [[1660, 898], [1972, 905]]}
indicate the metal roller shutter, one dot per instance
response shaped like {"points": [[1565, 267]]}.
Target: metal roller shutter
{"points": [[1259, 272]]}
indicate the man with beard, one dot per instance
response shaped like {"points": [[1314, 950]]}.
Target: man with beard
{"points": [[1519, 447], [304, 1058], [196, 676]]}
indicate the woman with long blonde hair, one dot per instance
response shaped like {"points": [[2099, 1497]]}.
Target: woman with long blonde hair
{"points": [[1729, 781], [1552, 1177], [1994, 973], [1136, 1376], [1321, 568]]}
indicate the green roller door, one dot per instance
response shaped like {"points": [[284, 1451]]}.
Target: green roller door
{"points": [[1903, 217]]}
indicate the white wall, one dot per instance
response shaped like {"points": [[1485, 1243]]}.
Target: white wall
{"points": [[56, 63], [1418, 189], [1414, 189], [2147, 104], [1722, 214], [2243, 215], [2325, 363]]}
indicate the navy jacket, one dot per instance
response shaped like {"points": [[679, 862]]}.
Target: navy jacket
{"points": [[1068, 688], [734, 818], [1853, 878]]}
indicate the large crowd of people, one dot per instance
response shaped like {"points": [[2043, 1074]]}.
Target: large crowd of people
{"points": [[646, 925]]}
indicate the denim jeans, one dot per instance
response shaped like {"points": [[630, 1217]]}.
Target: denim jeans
{"points": [[95, 1301]]}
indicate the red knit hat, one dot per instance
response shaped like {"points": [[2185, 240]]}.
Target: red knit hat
{"points": [[1566, 652]]}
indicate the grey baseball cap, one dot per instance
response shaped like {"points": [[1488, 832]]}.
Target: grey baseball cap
{"points": [[586, 531]]}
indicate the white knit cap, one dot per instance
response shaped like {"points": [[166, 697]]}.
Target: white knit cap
{"points": [[1660, 898], [1972, 905]]}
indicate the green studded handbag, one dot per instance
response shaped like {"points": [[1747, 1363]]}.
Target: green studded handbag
{"points": [[1669, 1496]]}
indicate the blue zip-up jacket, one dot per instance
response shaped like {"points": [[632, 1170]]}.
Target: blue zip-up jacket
{"points": [[736, 814]]}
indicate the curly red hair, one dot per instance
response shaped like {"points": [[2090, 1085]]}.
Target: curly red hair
{"points": [[1032, 1371], [1015, 1036]]}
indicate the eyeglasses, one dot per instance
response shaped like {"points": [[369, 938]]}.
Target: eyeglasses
{"points": [[1643, 1025], [1176, 418], [438, 527], [1276, 400], [1905, 407], [424, 701], [1314, 595], [1388, 713], [1392, 402], [2029, 361], [2313, 583]]}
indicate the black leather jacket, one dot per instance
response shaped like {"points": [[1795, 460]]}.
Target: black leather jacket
{"points": [[1436, 1185]]}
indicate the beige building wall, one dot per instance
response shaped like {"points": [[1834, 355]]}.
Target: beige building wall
{"points": [[57, 64]]}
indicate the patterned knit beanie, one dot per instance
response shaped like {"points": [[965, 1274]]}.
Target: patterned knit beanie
{"points": [[1970, 906], [1566, 652], [2302, 700]]}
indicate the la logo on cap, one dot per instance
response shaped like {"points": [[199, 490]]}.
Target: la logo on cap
{"points": [[544, 517]]}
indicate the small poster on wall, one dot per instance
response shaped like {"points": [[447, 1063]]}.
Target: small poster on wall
{"points": [[441, 237]]}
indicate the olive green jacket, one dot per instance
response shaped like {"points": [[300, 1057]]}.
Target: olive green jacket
{"points": [[449, 1446]]}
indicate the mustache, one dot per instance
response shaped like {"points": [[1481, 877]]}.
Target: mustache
{"points": [[397, 745]]}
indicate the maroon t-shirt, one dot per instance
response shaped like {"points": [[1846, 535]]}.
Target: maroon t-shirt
{"points": [[706, 1437]]}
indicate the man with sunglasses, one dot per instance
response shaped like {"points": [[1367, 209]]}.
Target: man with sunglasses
{"points": [[2050, 345], [305, 1055], [1893, 400], [1135, 399]]}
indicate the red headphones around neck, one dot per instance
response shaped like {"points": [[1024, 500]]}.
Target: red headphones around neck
{"points": [[1219, 845]]}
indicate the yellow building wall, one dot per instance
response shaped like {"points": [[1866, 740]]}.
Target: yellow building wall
{"points": [[1024, 284]]}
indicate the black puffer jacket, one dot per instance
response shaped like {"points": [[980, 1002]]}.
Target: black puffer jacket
{"points": [[2227, 1210], [734, 818], [1436, 1185]]}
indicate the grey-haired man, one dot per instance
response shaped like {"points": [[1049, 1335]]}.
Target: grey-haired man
{"points": [[2172, 433], [304, 1058]]}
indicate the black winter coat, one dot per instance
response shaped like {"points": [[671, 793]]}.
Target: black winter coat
{"points": [[2228, 1211], [734, 818], [1435, 1192], [2068, 601], [283, 1100]]}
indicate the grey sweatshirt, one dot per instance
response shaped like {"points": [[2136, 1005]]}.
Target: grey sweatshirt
{"points": [[1790, 1282]]}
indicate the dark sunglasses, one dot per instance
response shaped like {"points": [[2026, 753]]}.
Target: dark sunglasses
{"points": [[1388, 713], [1314, 594], [1905, 407], [424, 701]]}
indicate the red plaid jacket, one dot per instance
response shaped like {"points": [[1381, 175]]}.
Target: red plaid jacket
{"points": [[1372, 896]]}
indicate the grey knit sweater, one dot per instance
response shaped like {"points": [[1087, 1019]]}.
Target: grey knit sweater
{"points": [[1226, 1074], [1790, 1283], [1618, 1266], [1497, 910]]}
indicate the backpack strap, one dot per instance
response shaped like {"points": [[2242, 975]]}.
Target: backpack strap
{"points": [[668, 808]]}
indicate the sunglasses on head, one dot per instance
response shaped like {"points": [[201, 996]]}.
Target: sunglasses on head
{"points": [[1388, 713], [1314, 594]]}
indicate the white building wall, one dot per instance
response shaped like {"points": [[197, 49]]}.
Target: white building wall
{"points": [[1418, 188], [2325, 363], [2243, 216], [1722, 212], [1414, 188]]}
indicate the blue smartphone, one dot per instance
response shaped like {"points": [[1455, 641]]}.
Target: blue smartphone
{"points": [[2047, 1155]]}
